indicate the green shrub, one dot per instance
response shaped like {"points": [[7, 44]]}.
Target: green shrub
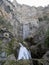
{"points": [[47, 39], [0, 45], [9, 47], [47, 42], [21, 62]]}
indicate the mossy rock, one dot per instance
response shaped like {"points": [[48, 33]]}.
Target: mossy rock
{"points": [[9, 47], [0, 45], [21, 62]]}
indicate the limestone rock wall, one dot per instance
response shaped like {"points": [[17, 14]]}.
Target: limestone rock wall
{"points": [[19, 15]]}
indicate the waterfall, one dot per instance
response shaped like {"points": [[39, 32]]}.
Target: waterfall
{"points": [[23, 53]]}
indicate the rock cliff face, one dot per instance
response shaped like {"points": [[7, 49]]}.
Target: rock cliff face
{"points": [[29, 23], [23, 18]]}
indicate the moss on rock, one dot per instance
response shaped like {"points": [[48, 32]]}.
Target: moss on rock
{"points": [[21, 62]]}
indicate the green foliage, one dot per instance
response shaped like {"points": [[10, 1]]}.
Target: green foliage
{"points": [[47, 39], [21, 62], [0, 45], [12, 62], [47, 42], [47, 33], [9, 47]]}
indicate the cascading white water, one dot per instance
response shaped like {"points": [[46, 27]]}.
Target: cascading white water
{"points": [[23, 53]]}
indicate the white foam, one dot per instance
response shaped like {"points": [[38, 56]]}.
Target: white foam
{"points": [[23, 53]]}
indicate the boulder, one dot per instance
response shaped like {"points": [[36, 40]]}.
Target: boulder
{"points": [[11, 57]]}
